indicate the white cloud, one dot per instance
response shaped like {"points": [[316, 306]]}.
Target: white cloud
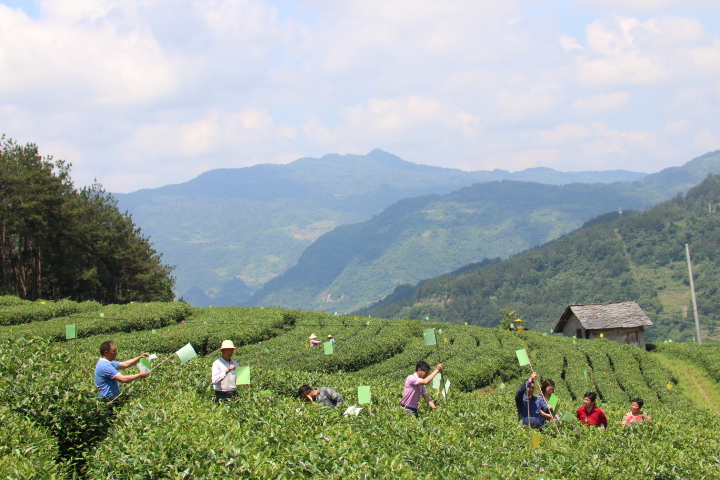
{"points": [[142, 93], [593, 104]]}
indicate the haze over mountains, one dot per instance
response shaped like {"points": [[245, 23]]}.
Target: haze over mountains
{"points": [[228, 231]]}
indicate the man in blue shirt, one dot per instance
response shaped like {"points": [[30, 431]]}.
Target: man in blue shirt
{"points": [[528, 405], [107, 376]]}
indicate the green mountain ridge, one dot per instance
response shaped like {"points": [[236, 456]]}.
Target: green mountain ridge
{"points": [[418, 238], [252, 224], [639, 257]]}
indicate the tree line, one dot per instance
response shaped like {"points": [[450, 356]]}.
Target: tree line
{"points": [[57, 241]]}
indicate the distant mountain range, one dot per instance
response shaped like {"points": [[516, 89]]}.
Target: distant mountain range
{"points": [[418, 238], [229, 231], [638, 257]]}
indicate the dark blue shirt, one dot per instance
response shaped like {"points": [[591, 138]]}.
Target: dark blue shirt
{"points": [[522, 400]]}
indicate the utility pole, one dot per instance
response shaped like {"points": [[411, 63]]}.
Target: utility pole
{"points": [[692, 290]]}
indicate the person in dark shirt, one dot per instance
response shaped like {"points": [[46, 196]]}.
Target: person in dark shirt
{"points": [[528, 404], [325, 395]]}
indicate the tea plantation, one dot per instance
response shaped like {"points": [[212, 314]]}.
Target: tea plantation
{"points": [[167, 426]]}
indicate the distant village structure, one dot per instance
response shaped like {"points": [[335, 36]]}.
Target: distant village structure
{"points": [[622, 322]]}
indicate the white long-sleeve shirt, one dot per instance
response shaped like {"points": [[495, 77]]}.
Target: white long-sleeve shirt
{"points": [[224, 382]]}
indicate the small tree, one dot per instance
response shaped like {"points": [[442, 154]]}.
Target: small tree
{"points": [[510, 319]]}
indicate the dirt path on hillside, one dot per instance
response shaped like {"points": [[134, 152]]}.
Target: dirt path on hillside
{"points": [[705, 391]]}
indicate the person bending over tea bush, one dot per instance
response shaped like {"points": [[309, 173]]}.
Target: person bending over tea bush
{"points": [[325, 395]]}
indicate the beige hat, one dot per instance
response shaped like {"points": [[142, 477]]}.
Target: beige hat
{"points": [[329, 336], [313, 336], [227, 344]]}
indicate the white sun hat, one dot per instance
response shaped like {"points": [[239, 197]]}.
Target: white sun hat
{"points": [[313, 336], [227, 344]]}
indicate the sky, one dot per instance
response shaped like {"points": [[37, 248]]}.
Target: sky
{"points": [[144, 93]]}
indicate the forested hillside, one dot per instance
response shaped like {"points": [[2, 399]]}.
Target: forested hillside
{"points": [[638, 257], [60, 242], [231, 230], [418, 238]]}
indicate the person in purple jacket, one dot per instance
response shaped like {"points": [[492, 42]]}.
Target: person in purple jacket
{"points": [[415, 386]]}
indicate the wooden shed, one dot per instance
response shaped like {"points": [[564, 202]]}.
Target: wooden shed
{"points": [[622, 322]]}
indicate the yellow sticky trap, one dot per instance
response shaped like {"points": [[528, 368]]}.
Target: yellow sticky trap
{"points": [[42, 303], [307, 345], [669, 385], [534, 441], [602, 335], [445, 340], [465, 323]]}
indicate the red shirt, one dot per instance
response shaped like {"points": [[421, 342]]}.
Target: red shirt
{"points": [[595, 417]]}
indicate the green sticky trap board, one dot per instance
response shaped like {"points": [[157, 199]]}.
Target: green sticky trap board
{"points": [[567, 417], [329, 349], [146, 363], [267, 350], [522, 357], [429, 334], [243, 376], [439, 330], [553, 401], [154, 331], [586, 375], [447, 387], [266, 393], [502, 386], [436, 380], [70, 331], [102, 315], [364, 394], [186, 353]]}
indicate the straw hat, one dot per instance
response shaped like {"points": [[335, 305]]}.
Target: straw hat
{"points": [[329, 336], [227, 344], [313, 336]]}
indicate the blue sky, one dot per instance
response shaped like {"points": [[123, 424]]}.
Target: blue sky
{"points": [[142, 93]]}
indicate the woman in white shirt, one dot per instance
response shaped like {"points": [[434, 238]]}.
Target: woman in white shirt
{"points": [[223, 373]]}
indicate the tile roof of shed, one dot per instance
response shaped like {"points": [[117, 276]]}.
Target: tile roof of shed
{"points": [[606, 315]]}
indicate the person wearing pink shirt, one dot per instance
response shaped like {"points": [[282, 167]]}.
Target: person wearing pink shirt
{"points": [[635, 414], [415, 386]]}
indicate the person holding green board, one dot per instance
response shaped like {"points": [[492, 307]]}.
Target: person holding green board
{"points": [[415, 386], [223, 373], [529, 406], [107, 376]]}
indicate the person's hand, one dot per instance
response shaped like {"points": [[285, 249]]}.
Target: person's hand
{"points": [[143, 374], [144, 355], [231, 367], [439, 367], [432, 405], [533, 377]]}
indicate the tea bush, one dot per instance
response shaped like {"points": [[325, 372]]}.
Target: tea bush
{"points": [[167, 426]]}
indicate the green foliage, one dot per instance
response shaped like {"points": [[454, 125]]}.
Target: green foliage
{"points": [[60, 242], [26, 312], [167, 426], [640, 257], [27, 450]]}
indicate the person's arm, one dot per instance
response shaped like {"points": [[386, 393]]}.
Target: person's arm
{"points": [[428, 400], [219, 371], [429, 378], [130, 378], [130, 363], [603, 419], [626, 418]]}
